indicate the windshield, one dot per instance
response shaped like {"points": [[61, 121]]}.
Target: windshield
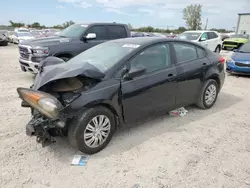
{"points": [[104, 56], [240, 36], [73, 31], [190, 35], [245, 48], [24, 34]]}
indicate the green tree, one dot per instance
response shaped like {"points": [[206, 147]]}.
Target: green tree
{"points": [[16, 24], [130, 26], [68, 23], [181, 29], [192, 16], [36, 25]]}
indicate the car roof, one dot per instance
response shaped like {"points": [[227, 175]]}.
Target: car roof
{"points": [[148, 40], [198, 31], [102, 23]]}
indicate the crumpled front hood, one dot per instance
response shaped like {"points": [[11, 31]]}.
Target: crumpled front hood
{"points": [[235, 40], [53, 68], [46, 41]]}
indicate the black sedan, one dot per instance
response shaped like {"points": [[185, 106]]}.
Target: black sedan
{"points": [[3, 40], [116, 83]]}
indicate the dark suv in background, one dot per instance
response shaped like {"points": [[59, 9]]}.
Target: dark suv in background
{"points": [[68, 43]]}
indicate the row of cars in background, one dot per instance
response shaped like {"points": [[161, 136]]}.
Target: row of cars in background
{"points": [[155, 34], [21, 34]]}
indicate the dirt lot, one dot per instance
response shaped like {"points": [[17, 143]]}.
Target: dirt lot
{"points": [[206, 149]]}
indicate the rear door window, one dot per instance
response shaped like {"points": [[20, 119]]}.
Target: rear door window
{"points": [[211, 35], [215, 35], [100, 31], [116, 31], [185, 52]]}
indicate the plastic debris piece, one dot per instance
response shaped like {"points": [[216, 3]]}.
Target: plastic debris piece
{"points": [[79, 160], [178, 112]]}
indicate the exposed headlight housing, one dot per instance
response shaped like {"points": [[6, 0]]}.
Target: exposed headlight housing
{"points": [[45, 103], [40, 51]]}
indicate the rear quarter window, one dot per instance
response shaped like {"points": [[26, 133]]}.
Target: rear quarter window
{"points": [[185, 52], [201, 52], [117, 32]]}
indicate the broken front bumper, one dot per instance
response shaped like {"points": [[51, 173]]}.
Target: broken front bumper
{"points": [[44, 129]]}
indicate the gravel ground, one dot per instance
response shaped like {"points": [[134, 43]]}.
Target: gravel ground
{"points": [[203, 149]]}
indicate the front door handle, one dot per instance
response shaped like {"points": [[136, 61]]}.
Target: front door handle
{"points": [[204, 64]]}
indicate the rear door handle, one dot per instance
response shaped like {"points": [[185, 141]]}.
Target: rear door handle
{"points": [[204, 64]]}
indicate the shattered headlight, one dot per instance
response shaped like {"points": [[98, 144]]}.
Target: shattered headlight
{"points": [[40, 51], [45, 103]]}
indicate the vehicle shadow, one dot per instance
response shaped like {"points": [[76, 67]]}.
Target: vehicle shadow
{"points": [[135, 134]]}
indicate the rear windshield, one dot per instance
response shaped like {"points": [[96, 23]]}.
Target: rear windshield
{"points": [[245, 48], [24, 34], [240, 36], [190, 35]]}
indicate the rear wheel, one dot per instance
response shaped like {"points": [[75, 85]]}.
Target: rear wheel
{"points": [[64, 58], [217, 49], [208, 95], [91, 132]]}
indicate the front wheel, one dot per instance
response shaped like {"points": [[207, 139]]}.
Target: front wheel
{"points": [[93, 130], [208, 95]]}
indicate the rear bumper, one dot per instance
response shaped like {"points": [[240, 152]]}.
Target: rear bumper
{"points": [[29, 66], [232, 68]]}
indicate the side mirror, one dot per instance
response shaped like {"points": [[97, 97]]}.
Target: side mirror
{"points": [[134, 72], [90, 36], [203, 39]]}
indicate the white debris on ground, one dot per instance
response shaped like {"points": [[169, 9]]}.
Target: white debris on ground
{"points": [[178, 112], [206, 148]]}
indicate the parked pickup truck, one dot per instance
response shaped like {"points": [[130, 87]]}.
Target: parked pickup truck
{"points": [[68, 43]]}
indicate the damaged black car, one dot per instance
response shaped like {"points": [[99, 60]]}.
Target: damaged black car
{"points": [[116, 83]]}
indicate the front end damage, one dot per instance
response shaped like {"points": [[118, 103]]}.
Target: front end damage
{"points": [[57, 85], [50, 117], [44, 129]]}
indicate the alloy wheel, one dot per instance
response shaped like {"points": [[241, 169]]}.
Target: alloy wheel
{"points": [[97, 131], [210, 94]]}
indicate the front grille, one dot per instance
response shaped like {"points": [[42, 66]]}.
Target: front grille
{"points": [[24, 52], [230, 43], [242, 64], [24, 56], [23, 49]]}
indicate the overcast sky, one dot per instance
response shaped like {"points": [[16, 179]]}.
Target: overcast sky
{"points": [[157, 13]]}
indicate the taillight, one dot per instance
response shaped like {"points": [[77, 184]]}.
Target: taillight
{"points": [[221, 60]]}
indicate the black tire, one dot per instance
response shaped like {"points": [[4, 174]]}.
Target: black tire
{"points": [[218, 47], [201, 103], [78, 126]]}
